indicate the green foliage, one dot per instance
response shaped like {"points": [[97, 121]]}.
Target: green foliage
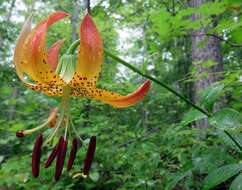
{"points": [[220, 175], [226, 118], [210, 95], [237, 183], [152, 144], [192, 115]]}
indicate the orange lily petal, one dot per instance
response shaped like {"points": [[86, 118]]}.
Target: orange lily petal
{"points": [[34, 51], [90, 54], [53, 54], [114, 99], [26, 29], [130, 99], [18, 58]]}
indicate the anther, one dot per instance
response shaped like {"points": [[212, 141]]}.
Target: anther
{"points": [[89, 156], [72, 154], [54, 153], [60, 159], [36, 155], [20, 134]]}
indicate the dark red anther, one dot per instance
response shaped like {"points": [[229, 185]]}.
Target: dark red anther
{"points": [[20, 134], [90, 155], [60, 159], [36, 155], [54, 153], [72, 154]]}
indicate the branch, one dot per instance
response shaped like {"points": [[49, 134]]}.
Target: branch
{"points": [[219, 38], [88, 7]]}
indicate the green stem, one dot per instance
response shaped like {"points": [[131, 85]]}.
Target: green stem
{"points": [[131, 67], [64, 111], [232, 138], [75, 44]]}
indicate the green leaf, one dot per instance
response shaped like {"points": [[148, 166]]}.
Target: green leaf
{"points": [[220, 175], [226, 118], [211, 8], [94, 176], [192, 115], [210, 95], [178, 178], [236, 36], [237, 183]]}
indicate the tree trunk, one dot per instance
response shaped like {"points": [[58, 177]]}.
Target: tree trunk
{"points": [[210, 51], [75, 19]]}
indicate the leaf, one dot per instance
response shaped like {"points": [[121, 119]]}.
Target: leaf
{"points": [[220, 175], [178, 178], [94, 176], [192, 115], [237, 183], [211, 8], [161, 23], [210, 95], [226, 118]]}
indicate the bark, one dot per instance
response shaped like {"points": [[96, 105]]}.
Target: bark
{"points": [[10, 11], [202, 54], [75, 19]]}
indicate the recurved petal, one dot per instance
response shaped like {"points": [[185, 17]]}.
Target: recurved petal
{"points": [[18, 57], [130, 99], [112, 98], [53, 54], [90, 55], [34, 51], [26, 29]]}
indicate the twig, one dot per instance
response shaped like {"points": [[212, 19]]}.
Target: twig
{"points": [[88, 6]]}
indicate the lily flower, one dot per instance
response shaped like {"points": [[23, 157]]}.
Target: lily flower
{"points": [[41, 70], [32, 58]]}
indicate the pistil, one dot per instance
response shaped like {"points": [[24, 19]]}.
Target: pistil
{"points": [[64, 114]]}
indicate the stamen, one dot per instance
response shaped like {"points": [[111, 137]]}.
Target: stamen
{"points": [[60, 159], [36, 155], [20, 134], [23, 133], [89, 156], [52, 117], [72, 154], [64, 111], [54, 153], [50, 121]]}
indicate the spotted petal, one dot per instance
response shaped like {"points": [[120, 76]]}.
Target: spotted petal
{"points": [[35, 53], [90, 55], [112, 98], [30, 56], [53, 54], [18, 57]]}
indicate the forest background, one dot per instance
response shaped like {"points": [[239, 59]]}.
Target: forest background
{"points": [[163, 142]]}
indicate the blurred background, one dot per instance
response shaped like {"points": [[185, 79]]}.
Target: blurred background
{"points": [[193, 46]]}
